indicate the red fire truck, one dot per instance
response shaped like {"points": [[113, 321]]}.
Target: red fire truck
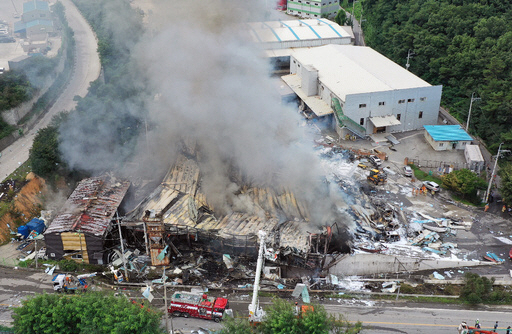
{"points": [[188, 304]]}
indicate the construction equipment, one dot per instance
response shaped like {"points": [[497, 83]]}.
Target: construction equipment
{"points": [[188, 304], [377, 177], [256, 313]]}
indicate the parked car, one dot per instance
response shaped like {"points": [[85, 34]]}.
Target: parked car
{"points": [[375, 161], [407, 171], [431, 185]]}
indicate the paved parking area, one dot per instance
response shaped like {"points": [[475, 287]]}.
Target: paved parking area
{"points": [[10, 11], [413, 145]]}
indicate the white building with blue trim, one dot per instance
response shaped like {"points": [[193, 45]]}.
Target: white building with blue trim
{"points": [[313, 8], [362, 91], [447, 137]]}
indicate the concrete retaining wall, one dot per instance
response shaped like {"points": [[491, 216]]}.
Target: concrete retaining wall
{"points": [[368, 264]]}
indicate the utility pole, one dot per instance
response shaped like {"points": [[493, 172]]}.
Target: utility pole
{"points": [[81, 248], [469, 114], [164, 279], [35, 250], [492, 175], [122, 247], [410, 53]]}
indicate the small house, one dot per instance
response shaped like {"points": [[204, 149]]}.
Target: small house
{"points": [[447, 137]]}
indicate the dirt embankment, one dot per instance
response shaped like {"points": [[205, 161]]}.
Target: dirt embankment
{"points": [[27, 203]]}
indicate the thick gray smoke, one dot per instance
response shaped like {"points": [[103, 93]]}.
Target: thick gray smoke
{"points": [[211, 86]]}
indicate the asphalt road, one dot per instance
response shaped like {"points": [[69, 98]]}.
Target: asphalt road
{"points": [[87, 68], [377, 317]]}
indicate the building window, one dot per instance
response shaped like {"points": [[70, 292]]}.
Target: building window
{"points": [[401, 101], [382, 103], [441, 144], [463, 143], [76, 256], [410, 100], [362, 105], [423, 99], [398, 116], [361, 121], [420, 115]]}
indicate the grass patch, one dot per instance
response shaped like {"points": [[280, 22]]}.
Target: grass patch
{"points": [[424, 176]]}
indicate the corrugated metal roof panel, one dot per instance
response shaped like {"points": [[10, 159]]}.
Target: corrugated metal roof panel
{"points": [[91, 206], [447, 133]]}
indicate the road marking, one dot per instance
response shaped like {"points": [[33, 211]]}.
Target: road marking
{"points": [[403, 323]]}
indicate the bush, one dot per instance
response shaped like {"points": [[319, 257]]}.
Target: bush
{"points": [[68, 265], [476, 289]]}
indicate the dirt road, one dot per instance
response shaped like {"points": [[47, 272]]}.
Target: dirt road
{"points": [[87, 68]]}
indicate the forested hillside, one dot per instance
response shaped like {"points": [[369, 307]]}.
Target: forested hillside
{"points": [[465, 45]]}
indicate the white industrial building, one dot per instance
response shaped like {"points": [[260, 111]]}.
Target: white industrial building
{"points": [[366, 92], [279, 39], [313, 8]]}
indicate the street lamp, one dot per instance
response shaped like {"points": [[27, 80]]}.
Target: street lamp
{"points": [[469, 114], [410, 53], [492, 175]]}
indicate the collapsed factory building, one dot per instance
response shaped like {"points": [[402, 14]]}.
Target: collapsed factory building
{"points": [[176, 217], [80, 230]]}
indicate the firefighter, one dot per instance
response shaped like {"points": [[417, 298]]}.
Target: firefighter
{"points": [[297, 309], [463, 328]]}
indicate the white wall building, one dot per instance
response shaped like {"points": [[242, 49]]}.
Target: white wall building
{"points": [[313, 8], [474, 158], [367, 92], [279, 39]]}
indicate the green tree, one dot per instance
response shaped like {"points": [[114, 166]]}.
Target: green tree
{"points": [[476, 288], [506, 183], [15, 89], [44, 154], [465, 183], [281, 318], [86, 313], [236, 326], [341, 18]]}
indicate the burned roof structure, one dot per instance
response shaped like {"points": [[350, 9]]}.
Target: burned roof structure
{"points": [[183, 211], [79, 229]]}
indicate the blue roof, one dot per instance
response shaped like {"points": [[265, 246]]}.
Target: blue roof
{"points": [[447, 132], [33, 5]]}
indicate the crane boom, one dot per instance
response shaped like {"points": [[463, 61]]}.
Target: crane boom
{"points": [[256, 313]]}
